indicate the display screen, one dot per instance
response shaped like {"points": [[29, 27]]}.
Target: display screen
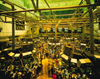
{"points": [[60, 29], [73, 63], [29, 60], [48, 31], [79, 30], [24, 61], [88, 71], [16, 58], [53, 29], [83, 71], [66, 30], [42, 30], [20, 25], [17, 68]]}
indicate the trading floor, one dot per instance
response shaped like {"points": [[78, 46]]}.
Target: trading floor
{"points": [[49, 39], [49, 59]]}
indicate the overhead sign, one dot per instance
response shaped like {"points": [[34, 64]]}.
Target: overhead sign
{"points": [[20, 25]]}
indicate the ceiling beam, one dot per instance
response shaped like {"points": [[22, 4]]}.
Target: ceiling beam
{"points": [[50, 10], [69, 7], [76, 10], [36, 9], [60, 24], [74, 17], [56, 8], [62, 15], [34, 4], [27, 20], [53, 23], [13, 4]]}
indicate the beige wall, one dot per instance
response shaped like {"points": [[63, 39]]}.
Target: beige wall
{"points": [[7, 28]]}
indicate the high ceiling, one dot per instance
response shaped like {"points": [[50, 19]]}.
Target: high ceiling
{"points": [[60, 14], [52, 3]]}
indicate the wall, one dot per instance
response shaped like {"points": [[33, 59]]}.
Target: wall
{"points": [[7, 28]]}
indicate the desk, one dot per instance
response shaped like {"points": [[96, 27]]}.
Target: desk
{"points": [[2, 58], [5, 49], [11, 54], [26, 44], [97, 56], [26, 53], [73, 60], [87, 60], [17, 55], [15, 48], [64, 56]]}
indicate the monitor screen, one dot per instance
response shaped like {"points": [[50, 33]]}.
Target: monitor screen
{"points": [[17, 68], [16, 57], [66, 30], [42, 30], [60, 29], [88, 70], [73, 30], [48, 31], [73, 63], [53, 29], [79, 30], [83, 71], [29, 60], [24, 61]]}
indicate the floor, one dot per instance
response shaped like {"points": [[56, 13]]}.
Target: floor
{"points": [[44, 77]]}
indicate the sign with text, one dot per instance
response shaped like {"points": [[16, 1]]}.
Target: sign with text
{"points": [[20, 25]]}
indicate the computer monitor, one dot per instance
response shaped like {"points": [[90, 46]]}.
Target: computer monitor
{"points": [[79, 30], [42, 30], [48, 31], [29, 60], [53, 30], [66, 30], [60, 30]]}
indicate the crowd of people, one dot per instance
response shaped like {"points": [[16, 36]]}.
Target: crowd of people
{"points": [[46, 61]]}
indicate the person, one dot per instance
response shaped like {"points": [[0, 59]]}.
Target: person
{"points": [[31, 77], [16, 75], [27, 75], [21, 56], [19, 75], [49, 69], [5, 77], [54, 76], [45, 65], [23, 75]]}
